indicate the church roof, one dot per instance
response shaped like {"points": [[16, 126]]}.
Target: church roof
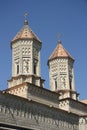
{"points": [[60, 52], [84, 101], [25, 33]]}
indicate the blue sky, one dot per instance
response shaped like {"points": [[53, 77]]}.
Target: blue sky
{"points": [[46, 19]]}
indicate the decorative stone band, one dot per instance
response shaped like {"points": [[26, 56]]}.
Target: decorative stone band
{"points": [[19, 111]]}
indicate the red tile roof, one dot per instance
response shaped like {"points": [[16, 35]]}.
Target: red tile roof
{"points": [[60, 51], [84, 101], [25, 33]]}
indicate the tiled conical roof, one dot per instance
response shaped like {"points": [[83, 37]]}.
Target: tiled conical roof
{"points": [[25, 33], [60, 51]]}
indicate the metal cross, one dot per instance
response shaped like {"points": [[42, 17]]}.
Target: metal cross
{"points": [[59, 35], [26, 15]]}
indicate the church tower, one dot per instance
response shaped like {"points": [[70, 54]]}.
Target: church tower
{"points": [[61, 73], [25, 58]]}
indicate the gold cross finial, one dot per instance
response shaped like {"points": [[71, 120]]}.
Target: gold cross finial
{"points": [[26, 15]]}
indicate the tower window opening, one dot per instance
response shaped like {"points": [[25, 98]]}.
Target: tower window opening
{"points": [[17, 69], [55, 84], [35, 67], [70, 88], [70, 83]]}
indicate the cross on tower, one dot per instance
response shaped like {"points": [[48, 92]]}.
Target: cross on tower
{"points": [[59, 35], [26, 21], [26, 15]]}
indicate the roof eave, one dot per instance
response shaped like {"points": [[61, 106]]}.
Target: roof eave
{"points": [[13, 41], [51, 59]]}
